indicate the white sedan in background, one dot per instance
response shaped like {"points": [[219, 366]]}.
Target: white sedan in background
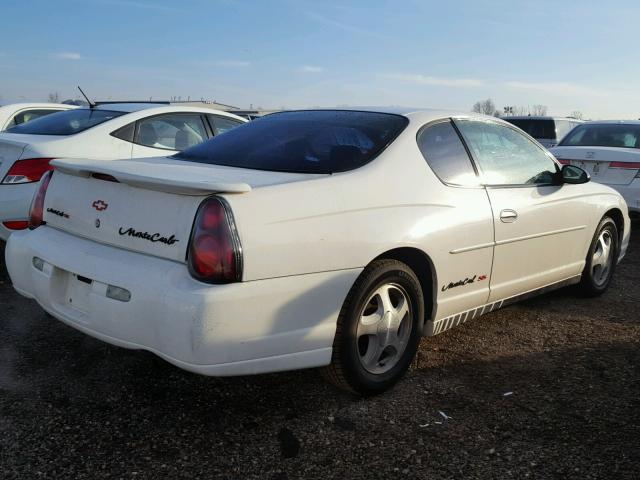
{"points": [[19, 113], [326, 238], [610, 152], [109, 131]]}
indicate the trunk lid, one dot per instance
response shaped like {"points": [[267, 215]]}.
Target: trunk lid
{"points": [[150, 208], [13, 146], [10, 151], [608, 165]]}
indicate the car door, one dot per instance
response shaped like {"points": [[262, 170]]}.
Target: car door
{"points": [[168, 133], [540, 224], [464, 238]]}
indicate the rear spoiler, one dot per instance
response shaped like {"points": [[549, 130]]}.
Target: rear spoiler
{"points": [[163, 177]]}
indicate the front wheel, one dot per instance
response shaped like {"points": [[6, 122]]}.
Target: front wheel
{"points": [[378, 330], [601, 259]]}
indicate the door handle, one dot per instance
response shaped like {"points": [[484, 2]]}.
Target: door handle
{"points": [[508, 215]]}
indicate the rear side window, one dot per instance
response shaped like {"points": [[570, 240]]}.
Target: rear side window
{"points": [[171, 131], [317, 141], [604, 135], [442, 149], [220, 125], [68, 122], [28, 115]]}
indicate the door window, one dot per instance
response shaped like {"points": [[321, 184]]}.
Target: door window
{"points": [[442, 149], [221, 125], [171, 131], [507, 157]]}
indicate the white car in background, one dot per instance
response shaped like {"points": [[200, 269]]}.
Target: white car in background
{"points": [[104, 132], [610, 152], [327, 238], [18, 113]]}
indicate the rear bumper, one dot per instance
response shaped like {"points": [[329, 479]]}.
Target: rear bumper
{"points": [[243, 328], [14, 204]]}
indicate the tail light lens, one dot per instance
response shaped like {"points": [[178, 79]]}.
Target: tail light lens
{"points": [[16, 224], [27, 171], [628, 165], [215, 254], [563, 161], [36, 212]]}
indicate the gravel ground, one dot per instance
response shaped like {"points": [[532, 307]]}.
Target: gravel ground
{"points": [[73, 407]]}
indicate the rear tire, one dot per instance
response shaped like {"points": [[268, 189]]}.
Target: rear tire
{"points": [[378, 329], [601, 259]]}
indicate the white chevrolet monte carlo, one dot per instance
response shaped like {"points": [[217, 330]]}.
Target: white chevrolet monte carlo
{"points": [[108, 131], [322, 238]]}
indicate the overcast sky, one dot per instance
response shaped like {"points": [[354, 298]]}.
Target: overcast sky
{"points": [[569, 55]]}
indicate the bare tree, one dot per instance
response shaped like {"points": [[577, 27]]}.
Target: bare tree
{"points": [[576, 114], [539, 110], [486, 107], [54, 97]]}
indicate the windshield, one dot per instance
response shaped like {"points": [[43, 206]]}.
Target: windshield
{"points": [[604, 135], [68, 122], [537, 128], [318, 141]]}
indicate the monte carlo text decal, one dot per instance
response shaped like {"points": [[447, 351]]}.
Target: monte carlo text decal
{"points": [[466, 281], [59, 213], [152, 237]]}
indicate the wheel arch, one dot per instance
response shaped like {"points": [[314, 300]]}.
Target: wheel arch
{"points": [[423, 267], [618, 218]]}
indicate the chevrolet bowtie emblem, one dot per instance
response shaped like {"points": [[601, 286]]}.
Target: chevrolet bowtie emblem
{"points": [[100, 205]]}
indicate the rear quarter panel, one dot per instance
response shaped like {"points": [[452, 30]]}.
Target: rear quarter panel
{"points": [[347, 220]]}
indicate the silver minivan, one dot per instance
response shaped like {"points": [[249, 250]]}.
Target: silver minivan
{"points": [[546, 130]]}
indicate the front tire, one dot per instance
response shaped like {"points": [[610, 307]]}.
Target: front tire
{"points": [[601, 259], [378, 330]]}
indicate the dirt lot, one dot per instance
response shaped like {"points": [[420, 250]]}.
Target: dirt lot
{"points": [[73, 407]]}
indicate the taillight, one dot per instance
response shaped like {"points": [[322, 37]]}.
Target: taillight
{"points": [[214, 254], [628, 165], [36, 212], [16, 224], [27, 171], [563, 161]]}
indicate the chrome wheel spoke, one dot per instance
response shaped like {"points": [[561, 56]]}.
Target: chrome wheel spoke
{"points": [[602, 258], [384, 328]]}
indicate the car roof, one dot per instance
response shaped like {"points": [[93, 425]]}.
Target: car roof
{"points": [[615, 122], [23, 105], [159, 108], [539, 117], [415, 113], [127, 107]]}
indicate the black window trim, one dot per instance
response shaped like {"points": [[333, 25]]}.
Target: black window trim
{"points": [[520, 132], [450, 120], [137, 128]]}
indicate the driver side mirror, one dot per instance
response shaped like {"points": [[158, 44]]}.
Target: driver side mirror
{"points": [[574, 175]]}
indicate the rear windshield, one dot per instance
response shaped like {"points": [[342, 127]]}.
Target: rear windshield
{"points": [[604, 135], [318, 141], [65, 123], [537, 128]]}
